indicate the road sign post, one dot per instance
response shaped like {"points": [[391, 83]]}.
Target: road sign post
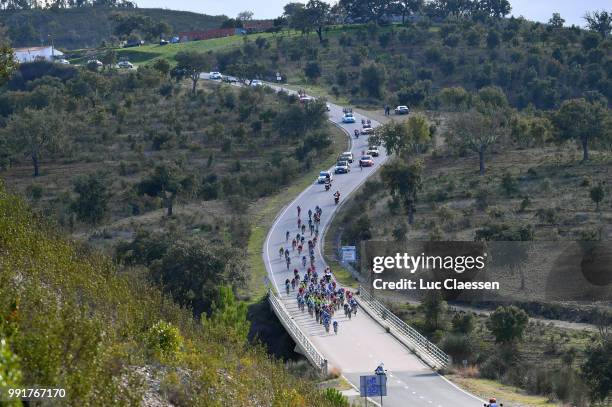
{"points": [[372, 386], [349, 253]]}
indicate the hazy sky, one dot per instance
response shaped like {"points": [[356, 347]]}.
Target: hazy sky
{"points": [[540, 10]]}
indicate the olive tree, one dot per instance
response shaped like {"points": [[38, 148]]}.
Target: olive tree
{"points": [[475, 131], [581, 120], [192, 64], [35, 133], [404, 181]]}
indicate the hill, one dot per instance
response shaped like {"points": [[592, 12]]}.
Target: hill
{"points": [[88, 27], [71, 319]]}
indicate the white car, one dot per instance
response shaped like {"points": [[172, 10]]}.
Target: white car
{"points": [[348, 118], [402, 110], [95, 62], [373, 151], [125, 65], [256, 82], [63, 61], [323, 175], [342, 167], [346, 156], [215, 75]]}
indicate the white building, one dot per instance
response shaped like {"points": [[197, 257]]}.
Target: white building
{"points": [[31, 54]]}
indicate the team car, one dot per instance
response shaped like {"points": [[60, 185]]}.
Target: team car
{"points": [[346, 156], [348, 118], [342, 167], [323, 175], [373, 151], [402, 110], [366, 161]]}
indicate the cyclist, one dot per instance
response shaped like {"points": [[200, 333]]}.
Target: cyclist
{"points": [[303, 228], [287, 286], [288, 262], [281, 251], [303, 261], [299, 210], [309, 214], [287, 236], [336, 327]]}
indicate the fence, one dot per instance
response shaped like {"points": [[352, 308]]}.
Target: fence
{"points": [[312, 354], [425, 349]]}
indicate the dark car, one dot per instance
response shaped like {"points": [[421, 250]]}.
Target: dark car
{"points": [[133, 43]]}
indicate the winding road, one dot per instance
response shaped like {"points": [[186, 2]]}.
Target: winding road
{"points": [[362, 343]]}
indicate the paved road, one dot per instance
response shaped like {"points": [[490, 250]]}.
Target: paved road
{"points": [[361, 343]]}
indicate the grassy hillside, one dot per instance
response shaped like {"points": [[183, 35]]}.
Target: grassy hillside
{"points": [[88, 27], [69, 318]]}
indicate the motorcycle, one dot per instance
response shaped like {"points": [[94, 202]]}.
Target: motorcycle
{"points": [[356, 133], [336, 200], [327, 187]]}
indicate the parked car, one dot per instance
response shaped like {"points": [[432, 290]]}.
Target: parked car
{"points": [[125, 65], [323, 176], [366, 161], [229, 79], [348, 118], [305, 99], [342, 167], [373, 151], [327, 106], [95, 62], [346, 156], [175, 40], [133, 43], [63, 61], [256, 82], [164, 42], [402, 110], [215, 75]]}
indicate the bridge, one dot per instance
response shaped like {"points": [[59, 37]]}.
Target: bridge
{"points": [[375, 335]]}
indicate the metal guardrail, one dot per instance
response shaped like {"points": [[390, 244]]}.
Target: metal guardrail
{"points": [[311, 352], [422, 346]]}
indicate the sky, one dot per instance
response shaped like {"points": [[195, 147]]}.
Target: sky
{"points": [[539, 10]]}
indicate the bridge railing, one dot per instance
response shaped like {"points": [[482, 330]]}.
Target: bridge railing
{"points": [[420, 344], [311, 352]]}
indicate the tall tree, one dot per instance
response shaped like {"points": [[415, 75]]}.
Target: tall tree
{"points": [[599, 21], [193, 63], [35, 133], [597, 370], [404, 181], [476, 131], [246, 15], [582, 120], [164, 182], [317, 16], [407, 7], [507, 324], [403, 138], [367, 10], [94, 193]]}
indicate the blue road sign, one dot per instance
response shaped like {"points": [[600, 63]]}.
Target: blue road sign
{"points": [[372, 385], [349, 253]]}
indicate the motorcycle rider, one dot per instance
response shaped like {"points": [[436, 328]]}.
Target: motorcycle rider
{"points": [[337, 196], [493, 403]]}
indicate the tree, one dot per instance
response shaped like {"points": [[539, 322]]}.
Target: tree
{"points": [[245, 15], [407, 7], [507, 324], [295, 14], [404, 181], [404, 138], [600, 22], [230, 314], [36, 133], [556, 21], [312, 70], [163, 182], [373, 78], [475, 131], [94, 194], [581, 120], [317, 16], [597, 370], [193, 63], [598, 194], [162, 66], [7, 57], [434, 308], [367, 11], [109, 58]]}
